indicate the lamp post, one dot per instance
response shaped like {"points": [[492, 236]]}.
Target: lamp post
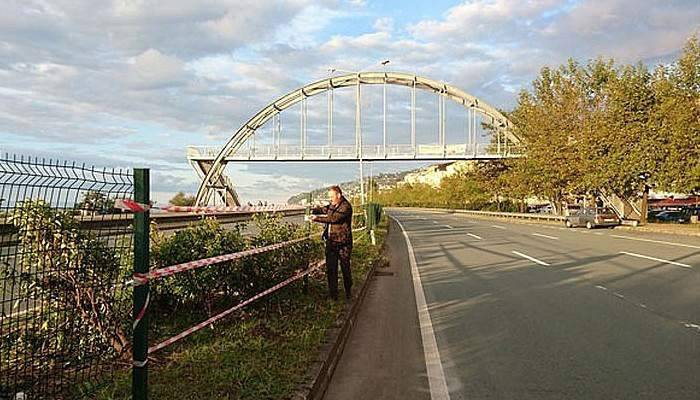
{"points": [[644, 209]]}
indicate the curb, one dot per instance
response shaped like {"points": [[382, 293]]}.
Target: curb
{"points": [[319, 374]]}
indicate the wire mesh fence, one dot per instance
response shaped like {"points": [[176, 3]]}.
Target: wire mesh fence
{"points": [[65, 258]]}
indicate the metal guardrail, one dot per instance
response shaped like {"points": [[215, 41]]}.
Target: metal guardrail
{"points": [[165, 221], [541, 217]]}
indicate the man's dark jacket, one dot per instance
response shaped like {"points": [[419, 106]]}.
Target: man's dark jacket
{"points": [[338, 220]]}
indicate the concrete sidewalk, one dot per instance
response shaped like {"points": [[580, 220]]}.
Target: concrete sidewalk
{"points": [[383, 358]]}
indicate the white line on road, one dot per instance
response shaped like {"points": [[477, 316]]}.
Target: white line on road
{"points": [[545, 236], [691, 325], [656, 241], [433, 363], [498, 226], [443, 230], [449, 226], [601, 287], [656, 259], [533, 259], [474, 236], [619, 295]]}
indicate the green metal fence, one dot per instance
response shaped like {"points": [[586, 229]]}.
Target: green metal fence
{"points": [[65, 260]]}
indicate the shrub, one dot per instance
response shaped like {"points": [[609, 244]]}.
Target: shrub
{"points": [[75, 280], [206, 238]]}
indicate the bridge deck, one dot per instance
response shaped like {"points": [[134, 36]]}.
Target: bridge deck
{"points": [[284, 152]]}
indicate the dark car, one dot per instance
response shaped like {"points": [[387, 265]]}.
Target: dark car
{"points": [[679, 217], [592, 217]]}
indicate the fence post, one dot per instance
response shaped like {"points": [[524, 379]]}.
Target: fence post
{"points": [[141, 292]]}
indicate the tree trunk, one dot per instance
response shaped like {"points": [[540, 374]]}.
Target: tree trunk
{"points": [[645, 205]]}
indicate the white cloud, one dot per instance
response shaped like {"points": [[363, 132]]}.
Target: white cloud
{"points": [[384, 24], [73, 71]]}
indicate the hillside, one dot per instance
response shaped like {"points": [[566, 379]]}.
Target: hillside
{"points": [[430, 175], [352, 188]]}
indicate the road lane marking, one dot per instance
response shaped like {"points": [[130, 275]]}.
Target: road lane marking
{"points": [[498, 226], [656, 259], [656, 241], [474, 236], [619, 295], [449, 226], [434, 230], [601, 287], [691, 325], [433, 363], [545, 236], [533, 259]]}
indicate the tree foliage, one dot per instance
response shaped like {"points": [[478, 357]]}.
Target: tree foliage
{"points": [[182, 199], [587, 129], [607, 127]]}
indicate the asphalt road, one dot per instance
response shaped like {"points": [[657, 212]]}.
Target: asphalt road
{"points": [[527, 311]]}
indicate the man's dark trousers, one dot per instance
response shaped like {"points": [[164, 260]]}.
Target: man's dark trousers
{"points": [[338, 252]]}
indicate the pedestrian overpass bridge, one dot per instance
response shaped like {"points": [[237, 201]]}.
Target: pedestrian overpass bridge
{"points": [[484, 132]]}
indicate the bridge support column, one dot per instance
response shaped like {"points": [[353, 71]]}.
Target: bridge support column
{"points": [[222, 187]]}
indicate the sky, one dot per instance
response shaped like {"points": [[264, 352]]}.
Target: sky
{"points": [[131, 83]]}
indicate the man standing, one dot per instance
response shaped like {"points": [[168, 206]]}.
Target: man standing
{"points": [[337, 233]]}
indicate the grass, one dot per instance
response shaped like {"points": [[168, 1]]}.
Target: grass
{"points": [[261, 354]]}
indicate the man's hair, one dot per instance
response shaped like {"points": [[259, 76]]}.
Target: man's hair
{"points": [[336, 189]]}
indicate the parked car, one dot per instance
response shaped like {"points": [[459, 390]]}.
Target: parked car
{"points": [[593, 217], [679, 217], [571, 209]]}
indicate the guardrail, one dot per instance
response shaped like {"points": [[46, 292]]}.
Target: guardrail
{"points": [[541, 217], [165, 222]]}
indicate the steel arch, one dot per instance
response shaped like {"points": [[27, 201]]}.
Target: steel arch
{"points": [[349, 80]]}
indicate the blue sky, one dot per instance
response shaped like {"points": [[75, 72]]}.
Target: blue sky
{"points": [[131, 83]]}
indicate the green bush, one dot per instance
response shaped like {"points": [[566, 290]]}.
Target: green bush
{"points": [[204, 239], [231, 281], [75, 281]]}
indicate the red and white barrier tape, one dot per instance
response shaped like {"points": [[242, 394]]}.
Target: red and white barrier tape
{"points": [[223, 314], [143, 278], [142, 311], [133, 206]]}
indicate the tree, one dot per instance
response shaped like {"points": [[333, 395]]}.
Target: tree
{"points": [[96, 202], [551, 121], [181, 199], [677, 117]]}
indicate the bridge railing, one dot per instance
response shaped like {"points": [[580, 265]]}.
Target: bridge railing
{"points": [[269, 151]]}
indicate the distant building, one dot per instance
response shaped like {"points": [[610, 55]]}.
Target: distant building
{"points": [[433, 174]]}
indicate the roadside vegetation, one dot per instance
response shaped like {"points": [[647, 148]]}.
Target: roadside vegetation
{"points": [[588, 129], [261, 352]]}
